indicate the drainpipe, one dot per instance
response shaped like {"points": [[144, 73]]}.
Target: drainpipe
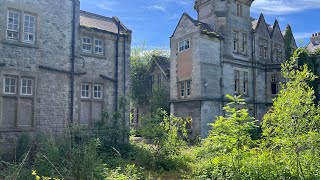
{"points": [[117, 67], [124, 78], [254, 76], [72, 61]]}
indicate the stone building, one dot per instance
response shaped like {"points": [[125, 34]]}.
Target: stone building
{"points": [[59, 65], [159, 76], [314, 42], [224, 51]]}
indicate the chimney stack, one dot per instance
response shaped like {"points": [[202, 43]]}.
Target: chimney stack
{"points": [[315, 37]]}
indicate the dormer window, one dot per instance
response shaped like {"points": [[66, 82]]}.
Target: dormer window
{"points": [[184, 45]]}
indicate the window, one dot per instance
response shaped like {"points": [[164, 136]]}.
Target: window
{"points": [[29, 29], [244, 43], [277, 52], [97, 91], [85, 91], [235, 41], [236, 82], [185, 89], [263, 48], [10, 85], [188, 88], [182, 89], [245, 83], [26, 86], [239, 9], [184, 45], [98, 46], [274, 86], [86, 44], [13, 25]]}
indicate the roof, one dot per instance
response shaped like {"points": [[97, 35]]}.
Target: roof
{"points": [[163, 63], [104, 23], [203, 26]]}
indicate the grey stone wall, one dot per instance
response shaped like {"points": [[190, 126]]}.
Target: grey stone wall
{"points": [[214, 63], [48, 63]]}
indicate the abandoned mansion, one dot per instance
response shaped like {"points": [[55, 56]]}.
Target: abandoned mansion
{"points": [[59, 65], [225, 51]]}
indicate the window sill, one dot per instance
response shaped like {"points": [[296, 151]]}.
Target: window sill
{"points": [[20, 44], [240, 54], [89, 54], [92, 99]]}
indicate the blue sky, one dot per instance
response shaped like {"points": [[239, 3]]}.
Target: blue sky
{"points": [[153, 21]]}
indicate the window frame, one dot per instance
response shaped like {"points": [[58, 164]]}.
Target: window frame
{"points": [[244, 43], [10, 85], [28, 33], [182, 89], [235, 41], [239, 9], [185, 46], [188, 88], [86, 44], [82, 90], [101, 91], [13, 30], [236, 77], [31, 86], [98, 46], [245, 82], [273, 83]]}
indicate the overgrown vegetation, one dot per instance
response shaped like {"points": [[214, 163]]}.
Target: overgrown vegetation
{"points": [[289, 147]]}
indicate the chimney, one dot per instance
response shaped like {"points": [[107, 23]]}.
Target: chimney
{"points": [[315, 37]]}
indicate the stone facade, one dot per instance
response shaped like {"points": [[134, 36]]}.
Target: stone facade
{"points": [[41, 68], [224, 51]]}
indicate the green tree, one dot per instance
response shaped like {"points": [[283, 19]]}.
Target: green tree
{"points": [[291, 127], [230, 138], [140, 81]]}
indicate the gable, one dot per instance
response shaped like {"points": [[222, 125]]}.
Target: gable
{"points": [[262, 28], [186, 25], [276, 33]]}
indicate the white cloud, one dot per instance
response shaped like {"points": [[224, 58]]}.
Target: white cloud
{"points": [[157, 7], [303, 35], [105, 5], [284, 6]]}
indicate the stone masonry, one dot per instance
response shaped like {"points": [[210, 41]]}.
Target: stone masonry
{"points": [[36, 61], [224, 51]]}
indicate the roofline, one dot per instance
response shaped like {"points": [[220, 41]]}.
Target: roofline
{"points": [[103, 31], [114, 19]]}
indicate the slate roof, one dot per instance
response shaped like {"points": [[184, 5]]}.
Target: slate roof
{"points": [[104, 23]]}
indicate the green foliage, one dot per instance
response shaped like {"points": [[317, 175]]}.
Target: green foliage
{"points": [[130, 172], [160, 99], [225, 150], [140, 81], [292, 125], [288, 41]]}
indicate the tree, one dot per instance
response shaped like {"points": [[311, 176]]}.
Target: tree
{"points": [[291, 127], [230, 138], [140, 80]]}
